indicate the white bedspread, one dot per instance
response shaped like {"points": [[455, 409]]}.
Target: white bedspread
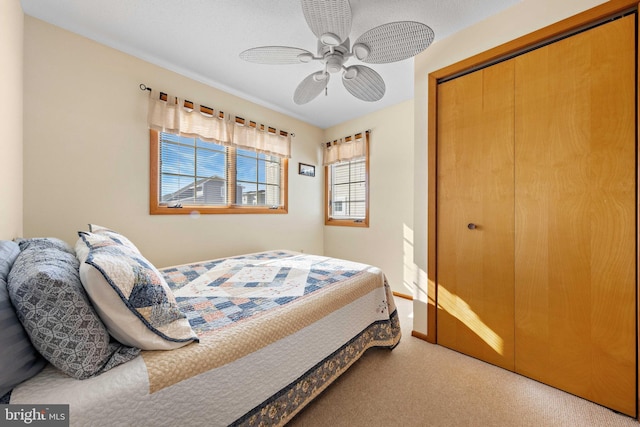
{"points": [[303, 345]]}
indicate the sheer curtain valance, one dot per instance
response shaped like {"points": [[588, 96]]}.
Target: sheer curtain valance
{"points": [[262, 141], [173, 115], [345, 149]]}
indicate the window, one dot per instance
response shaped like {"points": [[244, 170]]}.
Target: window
{"points": [[258, 179], [189, 174], [347, 192]]}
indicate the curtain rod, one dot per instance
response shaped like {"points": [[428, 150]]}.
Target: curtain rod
{"points": [[347, 138], [209, 110]]}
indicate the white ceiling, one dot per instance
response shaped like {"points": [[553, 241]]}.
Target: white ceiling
{"points": [[201, 39]]}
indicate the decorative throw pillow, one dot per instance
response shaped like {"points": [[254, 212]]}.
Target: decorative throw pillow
{"points": [[102, 236], [18, 358], [44, 286], [44, 242], [132, 297], [114, 235]]}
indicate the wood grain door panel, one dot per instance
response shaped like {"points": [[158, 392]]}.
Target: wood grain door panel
{"points": [[475, 186], [575, 213]]}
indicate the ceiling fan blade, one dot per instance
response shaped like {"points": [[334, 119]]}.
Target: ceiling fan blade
{"points": [[363, 83], [330, 20], [276, 55], [310, 87], [393, 42]]}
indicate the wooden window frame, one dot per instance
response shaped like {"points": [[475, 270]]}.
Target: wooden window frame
{"points": [[154, 186], [362, 223]]}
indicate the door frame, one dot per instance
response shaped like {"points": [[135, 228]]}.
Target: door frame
{"points": [[510, 49]]}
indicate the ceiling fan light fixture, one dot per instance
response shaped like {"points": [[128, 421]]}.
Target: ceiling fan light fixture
{"points": [[350, 73], [305, 57], [361, 51], [320, 76], [330, 39]]}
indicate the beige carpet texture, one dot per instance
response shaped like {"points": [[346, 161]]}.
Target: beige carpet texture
{"points": [[421, 384]]}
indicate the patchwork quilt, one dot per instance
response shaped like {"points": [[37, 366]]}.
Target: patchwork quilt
{"points": [[218, 293], [275, 328]]}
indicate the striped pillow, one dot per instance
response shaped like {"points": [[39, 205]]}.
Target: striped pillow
{"points": [[18, 358]]}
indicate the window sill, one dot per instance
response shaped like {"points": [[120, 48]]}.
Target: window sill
{"points": [[203, 210], [362, 223]]}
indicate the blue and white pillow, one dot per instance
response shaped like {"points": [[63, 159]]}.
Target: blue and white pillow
{"points": [[44, 242], [110, 238], [45, 288], [131, 296], [113, 235]]}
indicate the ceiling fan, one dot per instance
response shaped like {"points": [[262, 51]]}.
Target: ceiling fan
{"points": [[330, 21]]}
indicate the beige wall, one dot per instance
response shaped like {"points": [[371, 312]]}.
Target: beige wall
{"points": [[86, 148], [11, 35], [88, 162], [96, 149], [522, 18], [387, 243]]}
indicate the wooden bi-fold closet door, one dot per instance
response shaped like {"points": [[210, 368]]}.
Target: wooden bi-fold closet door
{"points": [[475, 214], [576, 215], [544, 284]]}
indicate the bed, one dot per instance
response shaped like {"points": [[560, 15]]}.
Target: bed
{"points": [[269, 332]]}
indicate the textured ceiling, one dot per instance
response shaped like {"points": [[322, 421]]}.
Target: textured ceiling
{"points": [[201, 39]]}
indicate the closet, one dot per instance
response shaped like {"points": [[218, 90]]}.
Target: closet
{"points": [[536, 214]]}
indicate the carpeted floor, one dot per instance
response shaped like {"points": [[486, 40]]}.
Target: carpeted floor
{"points": [[420, 384]]}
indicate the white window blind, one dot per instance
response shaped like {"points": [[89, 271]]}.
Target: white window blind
{"points": [[258, 179], [348, 190], [200, 173], [347, 193]]}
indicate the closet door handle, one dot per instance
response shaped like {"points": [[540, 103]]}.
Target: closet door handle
{"points": [[471, 226]]}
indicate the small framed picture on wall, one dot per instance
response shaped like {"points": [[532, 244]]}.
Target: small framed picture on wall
{"points": [[307, 170]]}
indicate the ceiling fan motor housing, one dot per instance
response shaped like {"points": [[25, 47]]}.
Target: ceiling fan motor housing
{"points": [[334, 56], [334, 62]]}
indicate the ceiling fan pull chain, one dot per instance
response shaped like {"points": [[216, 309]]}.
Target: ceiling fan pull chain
{"points": [[326, 91]]}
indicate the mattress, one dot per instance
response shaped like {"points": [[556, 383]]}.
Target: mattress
{"points": [[275, 328]]}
